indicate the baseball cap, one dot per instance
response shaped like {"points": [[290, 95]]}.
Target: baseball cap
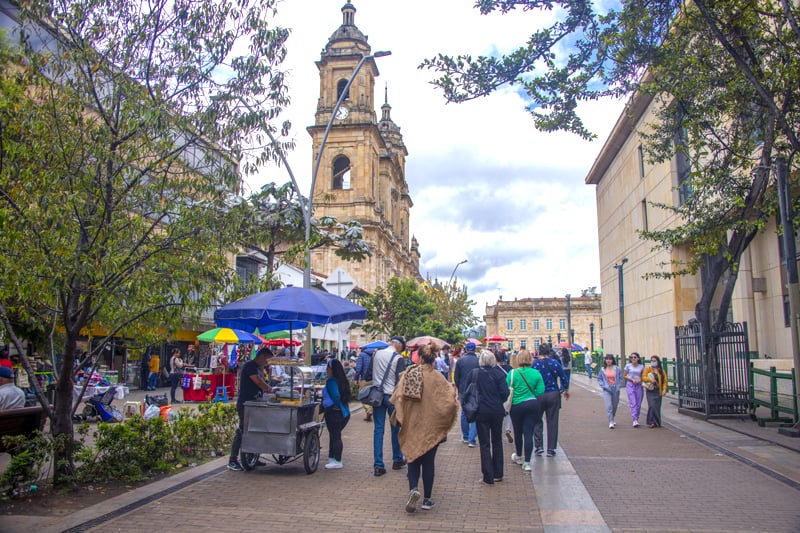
{"points": [[470, 346], [401, 340], [6, 372]]}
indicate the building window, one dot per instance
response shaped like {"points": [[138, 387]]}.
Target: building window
{"points": [[549, 324], [682, 166], [247, 269], [510, 345], [509, 325], [644, 215], [536, 324], [640, 154], [341, 173], [523, 344], [523, 324], [536, 344], [340, 89], [562, 323]]}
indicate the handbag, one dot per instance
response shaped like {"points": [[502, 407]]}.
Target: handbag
{"points": [[470, 400], [373, 394], [510, 399]]}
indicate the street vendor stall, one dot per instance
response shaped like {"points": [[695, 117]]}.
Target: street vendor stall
{"points": [[285, 424], [202, 385]]}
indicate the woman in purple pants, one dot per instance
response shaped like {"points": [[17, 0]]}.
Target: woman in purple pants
{"points": [[633, 384]]}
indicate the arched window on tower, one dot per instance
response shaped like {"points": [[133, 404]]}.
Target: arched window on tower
{"points": [[341, 173], [340, 89]]}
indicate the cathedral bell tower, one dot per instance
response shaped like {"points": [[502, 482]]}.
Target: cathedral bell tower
{"points": [[362, 169]]}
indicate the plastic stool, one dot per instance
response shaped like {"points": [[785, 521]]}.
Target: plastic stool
{"points": [[221, 395], [132, 408]]}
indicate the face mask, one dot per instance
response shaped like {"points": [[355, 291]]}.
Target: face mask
{"points": [[653, 364]]}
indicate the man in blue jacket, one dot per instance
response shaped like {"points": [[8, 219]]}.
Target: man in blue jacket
{"points": [[461, 374], [363, 376]]}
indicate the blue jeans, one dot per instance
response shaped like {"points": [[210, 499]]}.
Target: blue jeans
{"points": [[589, 370], [152, 381], [379, 422], [469, 430]]}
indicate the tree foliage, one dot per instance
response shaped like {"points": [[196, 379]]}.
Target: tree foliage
{"points": [[123, 132], [402, 307], [725, 74]]}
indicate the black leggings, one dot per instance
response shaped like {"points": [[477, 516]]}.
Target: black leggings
{"points": [[335, 423], [524, 416], [175, 380], [424, 463]]}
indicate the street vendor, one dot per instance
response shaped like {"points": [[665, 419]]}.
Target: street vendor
{"points": [[251, 383]]}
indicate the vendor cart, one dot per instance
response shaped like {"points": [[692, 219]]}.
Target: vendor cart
{"points": [[284, 425]]}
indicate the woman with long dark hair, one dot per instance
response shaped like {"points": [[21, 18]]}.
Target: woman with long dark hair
{"points": [[336, 398], [655, 384], [610, 380]]}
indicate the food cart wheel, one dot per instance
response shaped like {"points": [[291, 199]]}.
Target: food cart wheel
{"points": [[249, 460], [311, 452]]}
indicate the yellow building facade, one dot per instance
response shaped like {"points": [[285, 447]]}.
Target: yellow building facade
{"points": [[362, 170], [626, 184], [529, 322]]}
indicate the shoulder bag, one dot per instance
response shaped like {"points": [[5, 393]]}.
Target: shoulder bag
{"points": [[510, 399], [470, 401], [373, 394]]}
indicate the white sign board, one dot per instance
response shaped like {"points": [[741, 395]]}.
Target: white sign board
{"points": [[339, 282]]}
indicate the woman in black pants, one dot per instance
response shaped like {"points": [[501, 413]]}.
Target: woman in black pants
{"points": [[528, 385], [492, 392], [336, 398], [425, 408]]}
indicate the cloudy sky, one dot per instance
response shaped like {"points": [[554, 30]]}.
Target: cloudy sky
{"points": [[486, 185]]}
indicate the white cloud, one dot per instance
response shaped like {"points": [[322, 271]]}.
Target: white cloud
{"points": [[486, 185]]}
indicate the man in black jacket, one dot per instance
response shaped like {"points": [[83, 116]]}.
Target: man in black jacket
{"points": [[464, 368]]}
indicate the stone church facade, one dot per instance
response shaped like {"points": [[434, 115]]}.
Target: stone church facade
{"points": [[361, 174]]}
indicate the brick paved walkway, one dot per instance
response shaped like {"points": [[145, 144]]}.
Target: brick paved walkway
{"points": [[601, 480]]}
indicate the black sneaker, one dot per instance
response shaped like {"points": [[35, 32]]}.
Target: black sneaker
{"points": [[427, 504], [538, 451], [235, 466], [397, 465], [551, 453], [379, 471]]}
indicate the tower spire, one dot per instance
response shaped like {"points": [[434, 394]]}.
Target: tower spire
{"points": [[386, 92]]}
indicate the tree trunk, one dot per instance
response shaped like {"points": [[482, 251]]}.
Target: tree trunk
{"points": [[61, 426]]}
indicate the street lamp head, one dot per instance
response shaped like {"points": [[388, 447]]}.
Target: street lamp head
{"points": [[382, 53]]}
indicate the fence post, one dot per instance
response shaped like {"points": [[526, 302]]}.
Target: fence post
{"points": [[773, 392]]}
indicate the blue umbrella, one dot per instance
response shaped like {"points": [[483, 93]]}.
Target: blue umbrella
{"points": [[294, 306], [375, 345]]}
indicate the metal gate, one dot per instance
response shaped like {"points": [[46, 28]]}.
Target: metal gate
{"points": [[712, 371]]}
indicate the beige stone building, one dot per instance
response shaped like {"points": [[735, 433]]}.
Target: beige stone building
{"points": [[362, 169], [625, 185], [528, 322]]}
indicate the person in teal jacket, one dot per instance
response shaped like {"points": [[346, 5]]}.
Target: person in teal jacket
{"points": [[527, 385], [336, 398]]}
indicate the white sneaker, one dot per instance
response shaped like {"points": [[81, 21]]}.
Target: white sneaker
{"points": [[611, 425], [333, 464], [516, 458], [526, 467], [636, 423]]}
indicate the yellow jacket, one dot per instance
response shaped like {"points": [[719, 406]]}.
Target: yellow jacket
{"points": [[649, 375], [155, 363]]}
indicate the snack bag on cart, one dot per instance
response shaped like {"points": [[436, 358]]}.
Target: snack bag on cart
{"points": [[197, 382], [186, 383]]}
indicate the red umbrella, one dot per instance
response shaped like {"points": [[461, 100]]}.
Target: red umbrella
{"points": [[417, 342], [473, 339], [495, 338], [282, 342]]}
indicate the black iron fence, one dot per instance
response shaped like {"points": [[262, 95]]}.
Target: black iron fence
{"points": [[713, 370]]}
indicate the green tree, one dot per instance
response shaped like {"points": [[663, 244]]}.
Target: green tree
{"points": [[122, 138], [726, 74], [399, 308], [272, 223], [452, 314]]}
